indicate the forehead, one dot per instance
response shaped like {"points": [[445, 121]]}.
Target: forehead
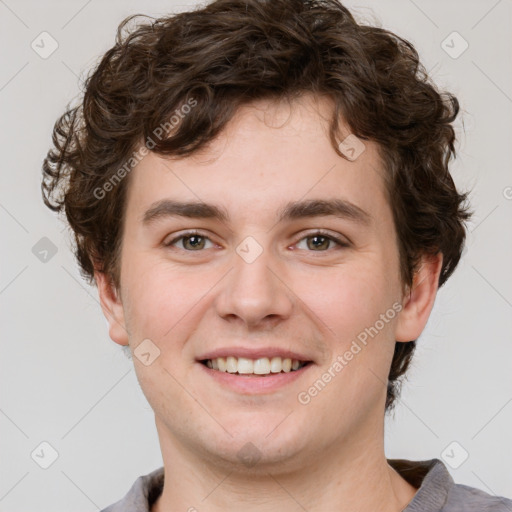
{"points": [[268, 155]]}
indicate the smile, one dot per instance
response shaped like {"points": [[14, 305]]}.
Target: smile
{"points": [[253, 383], [261, 366]]}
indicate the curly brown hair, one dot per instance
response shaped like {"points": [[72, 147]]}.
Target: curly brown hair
{"points": [[232, 52]]}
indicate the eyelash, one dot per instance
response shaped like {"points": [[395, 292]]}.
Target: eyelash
{"points": [[319, 232]]}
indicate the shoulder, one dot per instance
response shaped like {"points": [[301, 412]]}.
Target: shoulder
{"points": [[462, 498], [437, 492], [141, 495]]}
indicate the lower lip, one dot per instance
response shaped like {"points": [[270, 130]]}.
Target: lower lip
{"points": [[253, 384]]}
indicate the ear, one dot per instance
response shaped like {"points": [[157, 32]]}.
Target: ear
{"points": [[419, 299], [112, 308]]}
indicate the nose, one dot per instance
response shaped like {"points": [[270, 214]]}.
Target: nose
{"points": [[255, 293]]}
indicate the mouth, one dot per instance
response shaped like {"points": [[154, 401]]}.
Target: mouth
{"points": [[261, 367]]}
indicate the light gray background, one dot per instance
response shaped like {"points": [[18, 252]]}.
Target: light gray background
{"points": [[65, 382]]}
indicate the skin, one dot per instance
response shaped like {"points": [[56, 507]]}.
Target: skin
{"points": [[328, 454]]}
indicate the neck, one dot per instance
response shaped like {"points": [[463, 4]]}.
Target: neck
{"points": [[352, 476]]}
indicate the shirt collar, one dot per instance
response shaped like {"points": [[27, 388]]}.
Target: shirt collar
{"points": [[432, 478]]}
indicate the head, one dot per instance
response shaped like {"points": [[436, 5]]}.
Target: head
{"points": [[243, 105]]}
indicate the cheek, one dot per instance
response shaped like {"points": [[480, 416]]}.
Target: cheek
{"points": [[161, 298], [347, 299], [355, 305], [161, 305]]}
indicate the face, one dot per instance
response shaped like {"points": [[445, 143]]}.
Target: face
{"points": [[272, 268]]}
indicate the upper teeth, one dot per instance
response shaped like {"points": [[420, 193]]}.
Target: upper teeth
{"points": [[262, 366]]}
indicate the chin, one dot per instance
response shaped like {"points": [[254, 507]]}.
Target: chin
{"points": [[256, 449]]}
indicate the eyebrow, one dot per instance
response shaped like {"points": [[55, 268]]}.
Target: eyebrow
{"points": [[293, 210]]}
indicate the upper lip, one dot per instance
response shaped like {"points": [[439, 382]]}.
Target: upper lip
{"points": [[253, 353]]}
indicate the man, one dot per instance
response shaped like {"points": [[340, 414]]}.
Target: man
{"points": [[260, 191]]}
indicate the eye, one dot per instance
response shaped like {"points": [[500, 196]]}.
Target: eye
{"points": [[318, 241], [191, 241], [321, 241]]}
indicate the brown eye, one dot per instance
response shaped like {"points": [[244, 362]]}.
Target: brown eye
{"points": [[318, 242], [321, 242], [193, 242], [189, 242]]}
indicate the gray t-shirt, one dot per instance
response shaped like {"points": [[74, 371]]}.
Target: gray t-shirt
{"points": [[437, 492]]}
